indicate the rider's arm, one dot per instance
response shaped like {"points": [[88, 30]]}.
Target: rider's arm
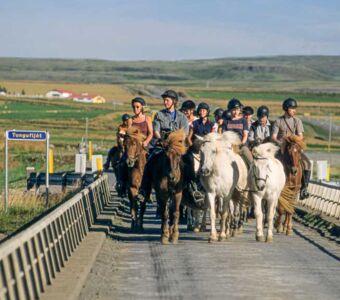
{"points": [[157, 126], [275, 131], [251, 135], [150, 131], [244, 136]]}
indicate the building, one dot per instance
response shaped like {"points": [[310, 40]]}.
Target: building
{"points": [[58, 93], [88, 98]]}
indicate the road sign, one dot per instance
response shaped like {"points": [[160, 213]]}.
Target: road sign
{"points": [[27, 135]]}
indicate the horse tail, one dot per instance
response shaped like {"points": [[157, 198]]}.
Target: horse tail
{"points": [[287, 199]]}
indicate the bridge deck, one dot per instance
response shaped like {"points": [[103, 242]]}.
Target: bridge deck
{"points": [[137, 266]]}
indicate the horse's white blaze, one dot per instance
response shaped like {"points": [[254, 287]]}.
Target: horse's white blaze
{"points": [[266, 180]]}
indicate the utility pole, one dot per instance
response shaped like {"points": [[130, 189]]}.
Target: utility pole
{"points": [[330, 133], [86, 132]]}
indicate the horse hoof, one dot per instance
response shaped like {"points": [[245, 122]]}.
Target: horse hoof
{"points": [[269, 239], [240, 230], [222, 238], [212, 239], [233, 233], [164, 240], [289, 232], [203, 229], [260, 238], [196, 230]]}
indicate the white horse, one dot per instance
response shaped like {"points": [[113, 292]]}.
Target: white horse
{"points": [[266, 180], [219, 175]]}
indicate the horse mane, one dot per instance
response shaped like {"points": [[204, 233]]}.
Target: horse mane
{"points": [[135, 133], [266, 150], [231, 137], [297, 140], [176, 141]]}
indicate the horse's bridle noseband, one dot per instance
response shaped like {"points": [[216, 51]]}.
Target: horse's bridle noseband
{"points": [[259, 178]]}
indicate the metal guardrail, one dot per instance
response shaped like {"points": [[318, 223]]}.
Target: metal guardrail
{"points": [[324, 199], [30, 260]]}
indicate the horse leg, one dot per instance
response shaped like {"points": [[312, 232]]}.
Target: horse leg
{"points": [[289, 229], [133, 210], [197, 217], [141, 216], [175, 232], [285, 223], [278, 223], [224, 215], [189, 219], [259, 218], [271, 206], [213, 232], [204, 221], [165, 225]]}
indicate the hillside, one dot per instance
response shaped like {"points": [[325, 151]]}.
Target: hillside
{"points": [[187, 72]]}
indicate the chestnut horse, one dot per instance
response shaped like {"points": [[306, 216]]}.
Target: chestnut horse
{"points": [[167, 180], [293, 170], [136, 160]]}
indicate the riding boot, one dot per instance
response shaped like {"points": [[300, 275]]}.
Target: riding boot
{"points": [[304, 184], [108, 158]]}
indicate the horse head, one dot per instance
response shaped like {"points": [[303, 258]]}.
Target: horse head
{"points": [[133, 143], [261, 164], [209, 149], [174, 149], [293, 156]]}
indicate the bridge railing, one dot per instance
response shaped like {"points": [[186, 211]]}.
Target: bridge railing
{"points": [[30, 260], [324, 199]]}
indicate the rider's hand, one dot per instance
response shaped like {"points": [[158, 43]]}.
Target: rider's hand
{"points": [[145, 144]]}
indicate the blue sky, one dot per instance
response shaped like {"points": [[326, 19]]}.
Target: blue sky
{"points": [[168, 30]]}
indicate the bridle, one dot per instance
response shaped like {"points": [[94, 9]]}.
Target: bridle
{"points": [[257, 179]]}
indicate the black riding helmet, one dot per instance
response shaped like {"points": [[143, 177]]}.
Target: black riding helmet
{"points": [[139, 100], [203, 105], [248, 110], [290, 102], [262, 111], [234, 103], [170, 93], [188, 104], [226, 115], [218, 113], [125, 117]]}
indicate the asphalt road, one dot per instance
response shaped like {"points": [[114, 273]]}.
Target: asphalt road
{"points": [[136, 266]]}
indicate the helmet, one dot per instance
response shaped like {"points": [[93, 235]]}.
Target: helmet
{"points": [[139, 100], [188, 104], [247, 110], [203, 105], [234, 103], [218, 113], [170, 93], [226, 115], [262, 111], [290, 102], [125, 117]]}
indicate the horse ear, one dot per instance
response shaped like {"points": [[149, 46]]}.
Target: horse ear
{"points": [[198, 139]]}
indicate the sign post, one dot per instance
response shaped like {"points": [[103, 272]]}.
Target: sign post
{"points": [[31, 136]]}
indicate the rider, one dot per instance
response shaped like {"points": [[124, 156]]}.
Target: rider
{"points": [[248, 113], [218, 115], [166, 121], [287, 126], [200, 127], [260, 130], [239, 125], [121, 131], [188, 109], [140, 120]]}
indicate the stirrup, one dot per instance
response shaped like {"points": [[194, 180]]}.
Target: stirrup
{"points": [[304, 194], [198, 196]]}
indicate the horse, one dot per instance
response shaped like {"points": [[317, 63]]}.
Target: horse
{"points": [[136, 160], [114, 158], [293, 170], [167, 180], [266, 180], [195, 210], [220, 175]]}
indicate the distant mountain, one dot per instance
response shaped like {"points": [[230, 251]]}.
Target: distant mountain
{"points": [[276, 68]]}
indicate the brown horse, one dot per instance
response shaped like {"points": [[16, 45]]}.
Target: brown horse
{"points": [[167, 180], [289, 194], [136, 160]]}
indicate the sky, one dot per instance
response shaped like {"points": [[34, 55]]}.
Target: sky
{"points": [[168, 30]]}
